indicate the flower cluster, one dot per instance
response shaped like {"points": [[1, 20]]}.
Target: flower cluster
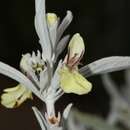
{"points": [[49, 82], [48, 78]]}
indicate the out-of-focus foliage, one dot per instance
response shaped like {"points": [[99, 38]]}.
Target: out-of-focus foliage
{"points": [[119, 101], [83, 121]]}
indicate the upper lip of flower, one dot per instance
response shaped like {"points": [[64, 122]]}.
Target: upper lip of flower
{"points": [[76, 50]]}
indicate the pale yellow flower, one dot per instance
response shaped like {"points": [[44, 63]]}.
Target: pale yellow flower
{"points": [[71, 81], [14, 97]]}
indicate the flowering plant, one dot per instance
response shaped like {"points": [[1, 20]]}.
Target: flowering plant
{"points": [[49, 78]]}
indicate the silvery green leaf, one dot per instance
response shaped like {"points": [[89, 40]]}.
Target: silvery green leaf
{"points": [[53, 33], [49, 70], [41, 120], [65, 23], [67, 111], [31, 75], [61, 45], [58, 94], [119, 106], [44, 80], [18, 76], [106, 65], [55, 87], [65, 116], [125, 89], [89, 121], [55, 79], [42, 28]]}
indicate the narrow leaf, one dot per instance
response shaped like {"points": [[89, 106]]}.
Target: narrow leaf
{"points": [[106, 65], [61, 45], [67, 111], [53, 34], [42, 28], [18, 76], [65, 23], [40, 118]]}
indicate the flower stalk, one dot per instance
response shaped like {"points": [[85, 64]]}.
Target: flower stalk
{"points": [[50, 108]]}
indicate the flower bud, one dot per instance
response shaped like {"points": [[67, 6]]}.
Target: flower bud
{"points": [[32, 63], [51, 19], [24, 65], [76, 50]]}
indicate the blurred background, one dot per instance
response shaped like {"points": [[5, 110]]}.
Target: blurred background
{"points": [[104, 25]]}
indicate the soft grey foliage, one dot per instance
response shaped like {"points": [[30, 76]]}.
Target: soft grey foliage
{"points": [[40, 71], [41, 120], [106, 65], [42, 29], [64, 24], [61, 46], [44, 123], [119, 104], [83, 121], [18, 76], [125, 89]]}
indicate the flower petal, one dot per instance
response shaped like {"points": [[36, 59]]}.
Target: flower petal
{"points": [[73, 82], [14, 97], [11, 89], [76, 46]]}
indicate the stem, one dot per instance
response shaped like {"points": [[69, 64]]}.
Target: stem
{"points": [[50, 108]]}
